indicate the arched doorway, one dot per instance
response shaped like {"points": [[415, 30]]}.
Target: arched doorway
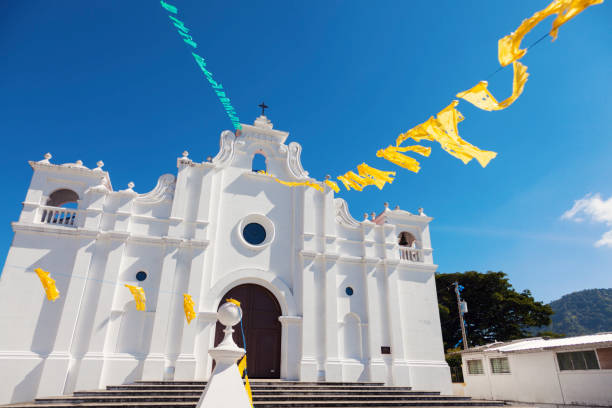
{"points": [[260, 311]]}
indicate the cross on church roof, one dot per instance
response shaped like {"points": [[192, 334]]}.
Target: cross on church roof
{"points": [[263, 107]]}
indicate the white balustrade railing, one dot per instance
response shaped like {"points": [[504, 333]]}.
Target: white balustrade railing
{"points": [[411, 254], [58, 216]]}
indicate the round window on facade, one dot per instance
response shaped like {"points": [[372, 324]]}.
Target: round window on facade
{"points": [[254, 233], [142, 275], [349, 291]]}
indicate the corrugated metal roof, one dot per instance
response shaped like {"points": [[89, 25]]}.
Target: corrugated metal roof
{"points": [[540, 343]]}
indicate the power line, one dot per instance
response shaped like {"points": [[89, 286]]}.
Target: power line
{"points": [[532, 45]]}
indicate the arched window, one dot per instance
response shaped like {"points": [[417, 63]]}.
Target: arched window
{"points": [[59, 198], [406, 239], [66, 201], [408, 247], [259, 162]]}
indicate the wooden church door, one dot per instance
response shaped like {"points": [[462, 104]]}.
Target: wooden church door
{"points": [[260, 312]]}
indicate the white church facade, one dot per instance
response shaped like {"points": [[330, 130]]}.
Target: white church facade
{"points": [[325, 297]]}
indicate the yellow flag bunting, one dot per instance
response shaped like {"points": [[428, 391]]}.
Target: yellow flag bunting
{"points": [[139, 296], [188, 307], [48, 284], [443, 128], [242, 369], [509, 46]]}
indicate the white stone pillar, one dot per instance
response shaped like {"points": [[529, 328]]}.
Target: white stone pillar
{"points": [[55, 370], [187, 359], [204, 341], [290, 340], [176, 318], [400, 367], [154, 364], [333, 365], [225, 388], [377, 367], [310, 320]]}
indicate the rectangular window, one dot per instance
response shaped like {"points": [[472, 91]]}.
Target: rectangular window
{"points": [[578, 360], [605, 358], [500, 365], [475, 367]]}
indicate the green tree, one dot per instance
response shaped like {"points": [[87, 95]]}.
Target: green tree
{"points": [[496, 312]]}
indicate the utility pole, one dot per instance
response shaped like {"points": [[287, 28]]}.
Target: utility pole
{"points": [[460, 309]]}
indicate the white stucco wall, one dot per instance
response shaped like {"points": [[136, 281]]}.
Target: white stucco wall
{"points": [[185, 234], [535, 378]]}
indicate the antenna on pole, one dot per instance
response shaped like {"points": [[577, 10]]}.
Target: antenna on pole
{"points": [[462, 308]]}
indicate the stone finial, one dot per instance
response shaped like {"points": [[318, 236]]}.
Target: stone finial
{"points": [[209, 159], [397, 207], [47, 156], [79, 162], [99, 165], [131, 185], [386, 204], [373, 215], [184, 158], [101, 187], [365, 216], [421, 211], [327, 177]]}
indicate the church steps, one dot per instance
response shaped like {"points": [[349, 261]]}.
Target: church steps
{"points": [[256, 398], [254, 387], [345, 404], [259, 382], [266, 394], [255, 392]]}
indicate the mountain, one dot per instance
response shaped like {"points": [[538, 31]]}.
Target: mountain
{"points": [[584, 312]]}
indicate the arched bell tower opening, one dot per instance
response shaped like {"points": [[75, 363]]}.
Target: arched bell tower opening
{"points": [[259, 162], [260, 311], [63, 197]]}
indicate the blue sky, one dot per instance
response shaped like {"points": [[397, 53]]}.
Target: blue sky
{"points": [[111, 80]]}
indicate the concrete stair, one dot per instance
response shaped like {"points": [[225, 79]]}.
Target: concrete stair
{"points": [[266, 394]]}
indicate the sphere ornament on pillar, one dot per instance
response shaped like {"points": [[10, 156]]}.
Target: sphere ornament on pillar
{"points": [[229, 315], [225, 388]]}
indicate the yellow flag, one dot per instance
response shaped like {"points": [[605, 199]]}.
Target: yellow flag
{"points": [[333, 185], [188, 307], [362, 181], [446, 133], [234, 301], [242, 366], [312, 184], [308, 183], [391, 154], [348, 183], [241, 369], [509, 46], [48, 284], [139, 296], [572, 9], [480, 96], [379, 177], [417, 134], [442, 129], [247, 386]]}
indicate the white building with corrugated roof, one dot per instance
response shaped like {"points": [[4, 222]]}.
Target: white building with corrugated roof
{"points": [[574, 371]]}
